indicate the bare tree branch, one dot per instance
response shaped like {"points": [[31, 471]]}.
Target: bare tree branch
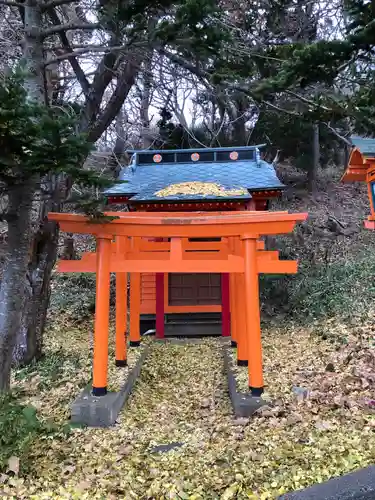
{"points": [[11, 3], [282, 110], [293, 113], [200, 73], [306, 101], [103, 76], [124, 83], [80, 74], [337, 134], [55, 3], [68, 27], [84, 50]]}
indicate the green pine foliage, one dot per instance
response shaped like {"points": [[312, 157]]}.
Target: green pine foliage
{"points": [[36, 139], [305, 64], [195, 28], [192, 27], [292, 137]]}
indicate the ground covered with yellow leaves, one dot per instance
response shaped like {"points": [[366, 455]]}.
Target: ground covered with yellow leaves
{"points": [[319, 424]]}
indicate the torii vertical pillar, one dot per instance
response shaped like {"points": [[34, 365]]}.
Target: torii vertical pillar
{"points": [[254, 342], [242, 340], [100, 361], [232, 298], [121, 307], [159, 285], [225, 305], [135, 309], [232, 287], [240, 310]]}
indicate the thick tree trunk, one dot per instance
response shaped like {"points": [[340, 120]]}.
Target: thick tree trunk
{"points": [[42, 259], [313, 170], [33, 51], [14, 280], [68, 252], [39, 249], [144, 116]]}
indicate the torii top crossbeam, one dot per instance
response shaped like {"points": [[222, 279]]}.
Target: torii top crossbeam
{"points": [[182, 225]]}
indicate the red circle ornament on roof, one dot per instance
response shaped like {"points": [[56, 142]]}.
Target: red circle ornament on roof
{"points": [[195, 157], [157, 158], [233, 155]]}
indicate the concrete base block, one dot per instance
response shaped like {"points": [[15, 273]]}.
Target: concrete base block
{"points": [[243, 404], [102, 411], [96, 411]]}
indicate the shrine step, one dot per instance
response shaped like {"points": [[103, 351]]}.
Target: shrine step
{"points": [[196, 317], [186, 324], [192, 328]]}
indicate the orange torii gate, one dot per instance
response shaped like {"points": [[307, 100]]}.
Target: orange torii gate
{"points": [[159, 242], [361, 168]]}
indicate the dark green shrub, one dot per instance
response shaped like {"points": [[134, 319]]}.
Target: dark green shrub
{"points": [[293, 136], [342, 288], [19, 427]]}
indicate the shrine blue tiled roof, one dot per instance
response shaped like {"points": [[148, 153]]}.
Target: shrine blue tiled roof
{"points": [[366, 145], [142, 181]]}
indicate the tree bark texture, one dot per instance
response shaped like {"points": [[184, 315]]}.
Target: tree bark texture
{"points": [[315, 159], [144, 115], [14, 284], [30, 281], [42, 259], [33, 51]]}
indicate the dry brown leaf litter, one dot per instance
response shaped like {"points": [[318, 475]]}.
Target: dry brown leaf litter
{"points": [[182, 397], [199, 188]]}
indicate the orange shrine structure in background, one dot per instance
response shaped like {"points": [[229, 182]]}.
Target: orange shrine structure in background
{"points": [[361, 168], [162, 242]]}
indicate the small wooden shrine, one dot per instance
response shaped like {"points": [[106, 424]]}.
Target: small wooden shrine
{"points": [[202, 180], [188, 214], [361, 168]]}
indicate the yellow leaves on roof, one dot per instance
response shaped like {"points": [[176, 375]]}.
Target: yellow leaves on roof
{"points": [[199, 188]]}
